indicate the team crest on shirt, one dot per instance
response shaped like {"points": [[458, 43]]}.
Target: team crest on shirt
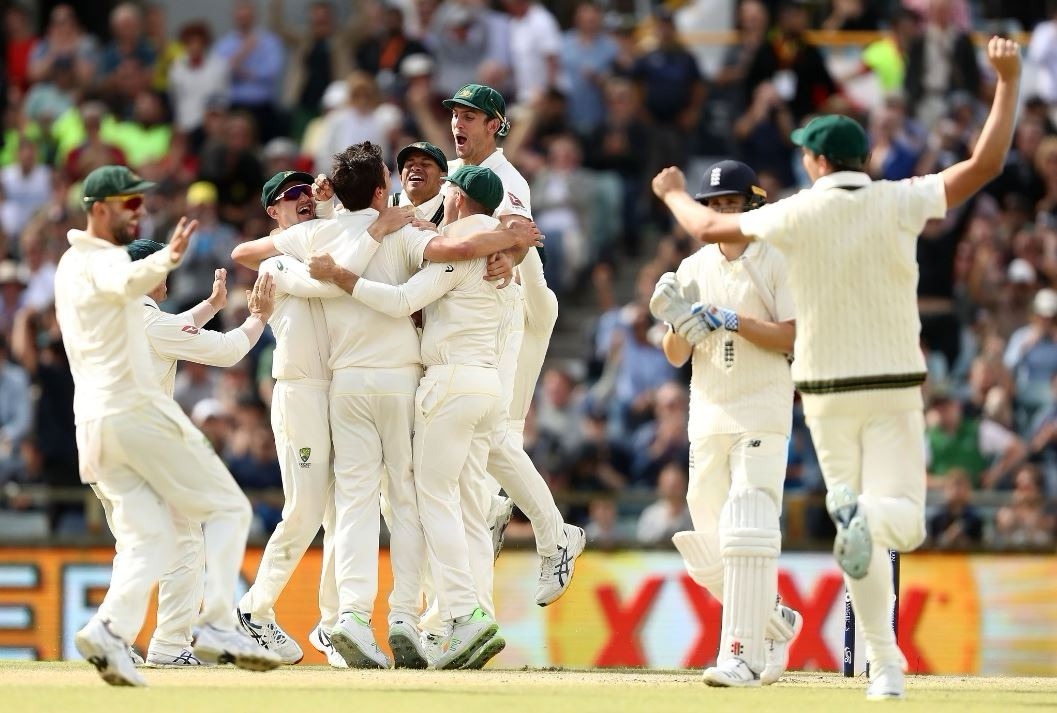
{"points": [[190, 329], [305, 454], [515, 201]]}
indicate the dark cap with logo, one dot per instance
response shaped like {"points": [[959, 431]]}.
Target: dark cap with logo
{"points": [[271, 189], [481, 184], [730, 178], [834, 136], [142, 247], [108, 181], [482, 98], [422, 147]]}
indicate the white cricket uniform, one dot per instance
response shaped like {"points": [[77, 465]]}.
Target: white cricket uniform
{"points": [[859, 365], [376, 366], [741, 401], [456, 412], [174, 337], [519, 369], [135, 445], [301, 424], [431, 210]]}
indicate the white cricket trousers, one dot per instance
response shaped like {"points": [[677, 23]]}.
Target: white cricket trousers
{"points": [[456, 410], [371, 418], [144, 462], [301, 424], [873, 443]]}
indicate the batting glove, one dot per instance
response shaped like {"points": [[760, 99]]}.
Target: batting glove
{"points": [[668, 303], [701, 320]]}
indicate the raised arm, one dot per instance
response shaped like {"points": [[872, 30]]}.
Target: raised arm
{"points": [[127, 281], [700, 221], [964, 179], [208, 308]]}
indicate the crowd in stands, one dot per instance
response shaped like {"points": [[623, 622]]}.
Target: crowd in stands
{"points": [[599, 100]]}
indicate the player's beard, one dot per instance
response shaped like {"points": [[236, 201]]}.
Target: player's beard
{"points": [[125, 230]]}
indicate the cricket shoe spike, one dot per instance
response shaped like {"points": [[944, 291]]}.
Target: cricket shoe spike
{"points": [[108, 652], [234, 646], [731, 673], [320, 641], [853, 545], [498, 519], [406, 644], [887, 683], [782, 630], [184, 658], [556, 571], [469, 633], [353, 638]]}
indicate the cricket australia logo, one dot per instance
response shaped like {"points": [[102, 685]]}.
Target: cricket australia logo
{"points": [[305, 454]]}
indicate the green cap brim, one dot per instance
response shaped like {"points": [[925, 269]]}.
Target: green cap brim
{"points": [[449, 103], [797, 137]]}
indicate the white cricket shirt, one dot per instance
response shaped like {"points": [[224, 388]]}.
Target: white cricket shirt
{"points": [[358, 335], [752, 391], [462, 312], [173, 337], [850, 244], [425, 210], [97, 303], [540, 316]]}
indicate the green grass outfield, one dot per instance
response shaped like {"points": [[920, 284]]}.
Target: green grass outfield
{"points": [[26, 687]]}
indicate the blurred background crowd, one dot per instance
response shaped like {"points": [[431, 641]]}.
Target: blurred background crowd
{"points": [[601, 95]]}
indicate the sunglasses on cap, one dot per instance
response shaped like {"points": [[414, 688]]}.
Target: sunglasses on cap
{"points": [[294, 192], [132, 202]]}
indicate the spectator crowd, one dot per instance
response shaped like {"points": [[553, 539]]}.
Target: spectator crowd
{"points": [[600, 99]]}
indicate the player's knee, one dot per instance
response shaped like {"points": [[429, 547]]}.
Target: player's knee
{"points": [[749, 526]]}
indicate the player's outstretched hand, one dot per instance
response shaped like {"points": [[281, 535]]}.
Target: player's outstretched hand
{"points": [[668, 180], [322, 267], [322, 189], [390, 219], [1004, 57], [261, 299], [181, 237], [219, 297], [500, 269], [526, 234], [667, 303]]}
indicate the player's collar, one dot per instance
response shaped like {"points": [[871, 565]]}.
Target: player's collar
{"points": [[494, 160], [80, 237], [842, 179], [149, 302]]}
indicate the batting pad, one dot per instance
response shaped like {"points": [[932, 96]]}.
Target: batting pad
{"points": [[750, 542], [700, 553]]}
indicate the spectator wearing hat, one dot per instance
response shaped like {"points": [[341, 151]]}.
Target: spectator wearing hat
{"points": [[282, 154], [317, 56], [194, 78], [210, 248]]}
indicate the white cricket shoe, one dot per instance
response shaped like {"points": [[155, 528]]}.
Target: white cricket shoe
{"points": [[184, 658], [731, 673], [498, 519], [271, 636], [469, 633], [853, 544], [777, 654], [221, 646], [108, 652], [556, 571], [486, 653], [887, 683], [353, 638], [320, 641], [406, 645]]}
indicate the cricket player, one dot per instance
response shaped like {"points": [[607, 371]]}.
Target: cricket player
{"points": [[135, 445], [478, 117], [741, 403], [858, 365], [456, 412], [376, 363], [422, 167], [301, 424], [174, 337]]}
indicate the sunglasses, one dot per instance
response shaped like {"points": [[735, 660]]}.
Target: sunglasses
{"points": [[132, 203], [294, 192]]}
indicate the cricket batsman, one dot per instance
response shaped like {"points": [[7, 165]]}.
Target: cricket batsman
{"points": [[858, 363], [729, 307], [135, 445]]}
